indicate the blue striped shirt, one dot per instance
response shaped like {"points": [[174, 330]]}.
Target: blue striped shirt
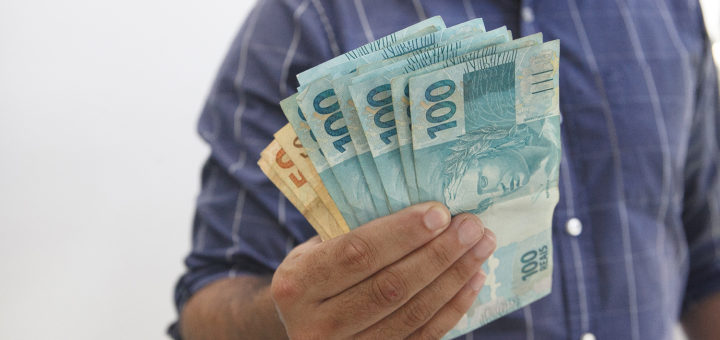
{"points": [[637, 229]]}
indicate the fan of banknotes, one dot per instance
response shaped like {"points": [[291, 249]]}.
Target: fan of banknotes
{"points": [[460, 115]]}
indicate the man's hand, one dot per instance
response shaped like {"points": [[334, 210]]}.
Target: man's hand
{"points": [[411, 274]]}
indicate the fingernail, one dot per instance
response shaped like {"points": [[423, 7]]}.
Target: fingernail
{"points": [[436, 218], [485, 247], [477, 281], [470, 230], [491, 234]]}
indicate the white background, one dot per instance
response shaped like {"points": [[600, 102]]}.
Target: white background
{"points": [[99, 159]]}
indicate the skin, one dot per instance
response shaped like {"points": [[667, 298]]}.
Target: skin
{"points": [[412, 274], [392, 278], [702, 321]]}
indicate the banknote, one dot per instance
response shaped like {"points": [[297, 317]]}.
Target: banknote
{"points": [[362, 69], [403, 48], [290, 181], [307, 138], [290, 142], [371, 97], [450, 47], [486, 140], [361, 180], [400, 96], [421, 28], [357, 154], [359, 142], [319, 103]]}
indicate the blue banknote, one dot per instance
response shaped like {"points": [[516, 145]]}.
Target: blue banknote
{"points": [[385, 201], [486, 140], [424, 27], [364, 157], [401, 102], [297, 120], [322, 110], [404, 48], [371, 97], [363, 69], [325, 118]]}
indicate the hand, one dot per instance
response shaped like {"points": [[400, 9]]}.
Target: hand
{"points": [[411, 274]]}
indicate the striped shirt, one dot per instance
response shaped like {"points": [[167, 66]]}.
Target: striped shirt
{"points": [[637, 230]]}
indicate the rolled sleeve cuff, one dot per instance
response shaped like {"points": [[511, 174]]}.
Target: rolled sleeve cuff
{"points": [[196, 280]]}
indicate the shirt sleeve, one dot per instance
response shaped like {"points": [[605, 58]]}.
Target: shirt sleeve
{"points": [[701, 211], [243, 224]]}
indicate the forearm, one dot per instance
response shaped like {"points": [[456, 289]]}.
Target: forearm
{"points": [[702, 321], [234, 308]]}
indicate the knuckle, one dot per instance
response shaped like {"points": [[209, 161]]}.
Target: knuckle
{"points": [[357, 253], [462, 270], [417, 314], [284, 287], [380, 332], [388, 289], [441, 255]]}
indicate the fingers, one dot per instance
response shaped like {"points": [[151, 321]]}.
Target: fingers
{"points": [[387, 290], [425, 304], [450, 314], [344, 261]]}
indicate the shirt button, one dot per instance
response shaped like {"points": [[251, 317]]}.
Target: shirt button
{"points": [[588, 336], [527, 14], [574, 228]]}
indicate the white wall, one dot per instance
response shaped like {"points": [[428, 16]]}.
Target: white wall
{"points": [[99, 159], [712, 20]]}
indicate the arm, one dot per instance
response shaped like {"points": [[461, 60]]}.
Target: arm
{"points": [[232, 308], [243, 227], [392, 278], [411, 274], [702, 321]]}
